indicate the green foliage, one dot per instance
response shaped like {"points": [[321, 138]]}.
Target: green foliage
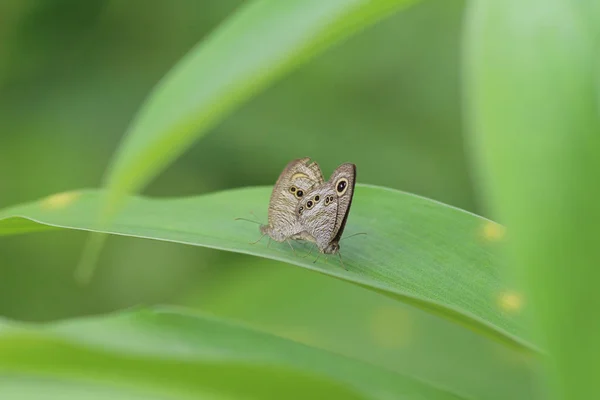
{"points": [[425, 308], [419, 253], [362, 324], [416, 250], [64, 113], [533, 91], [258, 44], [167, 354], [219, 74]]}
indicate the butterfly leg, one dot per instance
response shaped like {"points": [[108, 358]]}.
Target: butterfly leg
{"points": [[269, 242], [292, 247], [310, 252], [341, 262], [318, 256], [259, 239]]}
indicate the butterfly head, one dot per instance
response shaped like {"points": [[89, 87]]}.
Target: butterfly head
{"points": [[332, 248]]}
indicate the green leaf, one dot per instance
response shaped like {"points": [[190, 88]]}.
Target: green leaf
{"points": [[167, 354], [366, 326], [261, 42], [533, 105], [416, 250]]}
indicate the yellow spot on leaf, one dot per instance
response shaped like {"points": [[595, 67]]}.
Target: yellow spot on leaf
{"points": [[391, 327], [493, 232], [59, 200], [510, 302]]}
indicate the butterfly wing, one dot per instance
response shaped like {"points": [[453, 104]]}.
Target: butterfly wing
{"points": [[297, 179], [317, 214], [324, 211], [342, 181]]}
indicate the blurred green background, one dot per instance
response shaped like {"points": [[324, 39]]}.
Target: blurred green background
{"points": [[74, 73]]}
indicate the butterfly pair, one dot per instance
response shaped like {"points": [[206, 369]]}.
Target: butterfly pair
{"points": [[304, 206]]}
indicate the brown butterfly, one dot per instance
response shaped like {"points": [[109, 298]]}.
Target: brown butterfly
{"points": [[297, 179], [323, 212], [303, 206]]}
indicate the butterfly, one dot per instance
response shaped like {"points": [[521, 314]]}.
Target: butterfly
{"points": [[305, 207], [298, 178], [323, 212]]}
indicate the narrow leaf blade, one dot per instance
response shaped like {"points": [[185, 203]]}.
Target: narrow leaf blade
{"points": [[166, 353], [419, 251]]}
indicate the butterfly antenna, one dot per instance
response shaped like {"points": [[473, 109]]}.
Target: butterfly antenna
{"points": [[292, 247], [354, 234], [341, 262], [259, 239], [249, 220]]}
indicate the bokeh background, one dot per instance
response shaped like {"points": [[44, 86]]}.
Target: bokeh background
{"points": [[72, 76]]}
